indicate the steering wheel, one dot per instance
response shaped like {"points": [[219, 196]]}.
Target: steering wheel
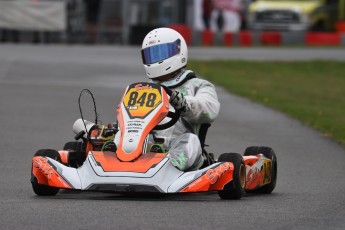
{"points": [[173, 115]]}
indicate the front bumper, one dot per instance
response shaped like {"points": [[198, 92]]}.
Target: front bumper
{"points": [[279, 26]]}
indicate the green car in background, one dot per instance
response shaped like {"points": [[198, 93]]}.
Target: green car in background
{"points": [[295, 15]]}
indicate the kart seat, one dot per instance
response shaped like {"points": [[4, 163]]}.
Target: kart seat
{"points": [[209, 157], [202, 133]]}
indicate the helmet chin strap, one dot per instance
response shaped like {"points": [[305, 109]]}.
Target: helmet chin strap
{"points": [[177, 79], [168, 77]]}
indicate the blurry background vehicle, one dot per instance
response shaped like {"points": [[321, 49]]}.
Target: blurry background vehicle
{"points": [[295, 15]]}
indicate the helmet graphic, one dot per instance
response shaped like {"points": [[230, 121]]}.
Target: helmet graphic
{"points": [[163, 51]]}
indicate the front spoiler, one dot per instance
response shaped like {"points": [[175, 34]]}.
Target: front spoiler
{"points": [[163, 178]]}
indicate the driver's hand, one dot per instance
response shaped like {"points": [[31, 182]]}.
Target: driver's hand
{"points": [[178, 101]]}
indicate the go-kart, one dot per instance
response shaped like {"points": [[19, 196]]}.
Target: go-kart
{"points": [[97, 164]]}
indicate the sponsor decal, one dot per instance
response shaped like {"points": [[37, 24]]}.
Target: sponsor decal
{"points": [[135, 123], [133, 131], [152, 42], [142, 87], [213, 175], [260, 171], [134, 127], [252, 175], [132, 107], [268, 172], [42, 164]]}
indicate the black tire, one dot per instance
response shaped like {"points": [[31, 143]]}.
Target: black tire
{"points": [[76, 156], [268, 153], [74, 146], [45, 190], [235, 189]]}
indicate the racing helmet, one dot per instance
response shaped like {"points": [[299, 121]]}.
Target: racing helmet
{"points": [[164, 51]]}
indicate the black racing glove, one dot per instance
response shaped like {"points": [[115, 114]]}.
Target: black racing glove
{"points": [[178, 101]]}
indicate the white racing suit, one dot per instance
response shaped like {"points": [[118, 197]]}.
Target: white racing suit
{"points": [[181, 140]]}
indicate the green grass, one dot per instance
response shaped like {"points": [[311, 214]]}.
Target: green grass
{"points": [[311, 91]]}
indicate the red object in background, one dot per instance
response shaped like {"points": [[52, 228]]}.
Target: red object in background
{"points": [[340, 26], [228, 39], [322, 39], [184, 30], [207, 38], [245, 38], [271, 38]]}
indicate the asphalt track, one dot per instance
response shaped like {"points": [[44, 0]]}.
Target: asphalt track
{"points": [[39, 88]]}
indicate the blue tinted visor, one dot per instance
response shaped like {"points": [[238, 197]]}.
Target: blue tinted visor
{"points": [[160, 52]]}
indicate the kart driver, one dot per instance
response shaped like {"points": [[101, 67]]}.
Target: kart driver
{"points": [[165, 55]]}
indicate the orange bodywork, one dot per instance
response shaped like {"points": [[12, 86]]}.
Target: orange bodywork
{"points": [[64, 156], [158, 117], [213, 180], [46, 174], [257, 176], [110, 163], [93, 134]]}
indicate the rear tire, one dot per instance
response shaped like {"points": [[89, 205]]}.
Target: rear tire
{"points": [[40, 189], [235, 189], [268, 153]]}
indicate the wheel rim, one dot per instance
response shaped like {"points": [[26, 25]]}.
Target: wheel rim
{"points": [[242, 176]]}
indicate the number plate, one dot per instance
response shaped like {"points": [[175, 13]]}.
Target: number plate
{"points": [[141, 99]]}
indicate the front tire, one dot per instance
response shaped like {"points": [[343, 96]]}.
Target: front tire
{"points": [[40, 189], [268, 153], [77, 155], [235, 189]]}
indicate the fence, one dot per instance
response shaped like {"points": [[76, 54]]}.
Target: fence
{"points": [[63, 21]]}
